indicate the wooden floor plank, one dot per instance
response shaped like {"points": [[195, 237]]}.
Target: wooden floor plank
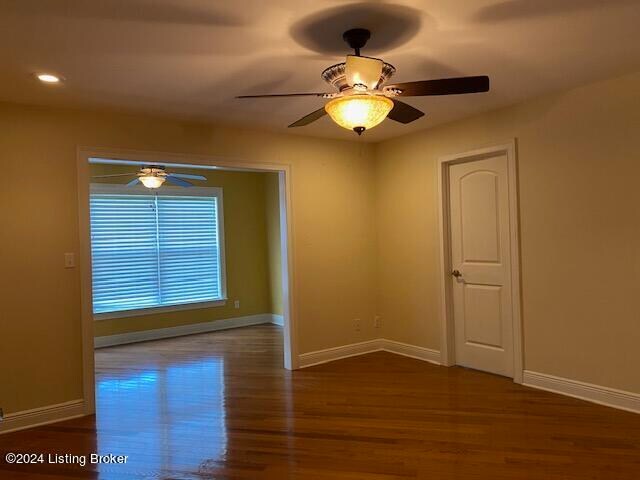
{"points": [[220, 405]]}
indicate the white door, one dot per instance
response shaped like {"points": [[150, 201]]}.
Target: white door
{"points": [[480, 261]]}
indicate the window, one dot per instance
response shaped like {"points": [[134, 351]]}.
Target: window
{"points": [[155, 249]]}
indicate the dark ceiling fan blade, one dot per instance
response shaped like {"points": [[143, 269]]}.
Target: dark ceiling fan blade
{"points": [[442, 86], [133, 182], [187, 175], [312, 117], [273, 95], [178, 181], [403, 113], [115, 175]]}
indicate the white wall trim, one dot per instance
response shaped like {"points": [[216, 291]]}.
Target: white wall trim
{"points": [[338, 353], [277, 319], [610, 397], [158, 333], [413, 351], [370, 346], [42, 416]]}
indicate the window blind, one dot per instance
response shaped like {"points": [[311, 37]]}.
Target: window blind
{"points": [[154, 250], [189, 249]]}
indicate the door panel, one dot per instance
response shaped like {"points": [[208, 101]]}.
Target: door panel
{"points": [[479, 222], [482, 302], [480, 251]]}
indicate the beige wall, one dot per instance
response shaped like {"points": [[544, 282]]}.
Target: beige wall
{"points": [[354, 216], [274, 257], [579, 167], [247, 252], [40, 347]]}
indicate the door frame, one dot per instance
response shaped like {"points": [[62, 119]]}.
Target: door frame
{"points": [[284, 170], [447, 349]]}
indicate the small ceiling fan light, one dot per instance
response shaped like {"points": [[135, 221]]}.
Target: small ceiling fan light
{"points": [[359, 111], [152, 181]]}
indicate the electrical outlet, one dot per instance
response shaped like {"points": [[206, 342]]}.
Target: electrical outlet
{"points": [[356, 324], [236, 304], [377, 321]]}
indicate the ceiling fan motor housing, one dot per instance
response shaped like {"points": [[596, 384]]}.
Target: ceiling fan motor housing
{"points": [[336, 76], [356, 38], [155, 170]]}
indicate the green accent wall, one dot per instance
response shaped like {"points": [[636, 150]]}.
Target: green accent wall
{"points": [[251, 245]]}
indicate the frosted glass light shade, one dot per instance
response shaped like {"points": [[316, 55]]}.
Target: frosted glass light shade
{"points": [[359, 112], [151, 181], [363, 71]]}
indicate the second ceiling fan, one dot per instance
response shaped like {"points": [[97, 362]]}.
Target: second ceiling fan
{"points": [[363, 100], [153, 176]]}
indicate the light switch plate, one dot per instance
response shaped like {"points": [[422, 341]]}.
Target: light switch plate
{"points": [[69, 260]]}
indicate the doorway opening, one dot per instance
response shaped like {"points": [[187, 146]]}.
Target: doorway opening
{"points": [[480, 261], [205, 249]]}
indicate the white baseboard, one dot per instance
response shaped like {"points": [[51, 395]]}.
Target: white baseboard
{"points": [[337, 353], [585, 391], [277, 319], [370, 346], [413, 351], [42, 416], [158, 333]]}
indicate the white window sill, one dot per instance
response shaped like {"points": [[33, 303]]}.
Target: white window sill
{"points": [[164, 309]]}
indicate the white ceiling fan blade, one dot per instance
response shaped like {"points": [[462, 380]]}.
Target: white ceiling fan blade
{"points": [[187, 175], [115, 175], [178, 181], [363, 71]]}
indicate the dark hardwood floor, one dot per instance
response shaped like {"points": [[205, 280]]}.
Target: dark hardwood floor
{"points": [[221, 406]]}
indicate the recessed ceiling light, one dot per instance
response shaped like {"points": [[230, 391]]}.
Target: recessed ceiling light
{"points": [[48, 78]]}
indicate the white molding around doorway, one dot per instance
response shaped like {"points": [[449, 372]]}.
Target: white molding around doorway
{"points": [[135, 157], [447, 352]]}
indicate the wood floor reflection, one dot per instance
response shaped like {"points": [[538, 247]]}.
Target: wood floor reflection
{"points": [[221, 406]]}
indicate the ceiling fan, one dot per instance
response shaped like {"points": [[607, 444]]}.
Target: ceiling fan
{"points": [[153, 176], [363, 100]]}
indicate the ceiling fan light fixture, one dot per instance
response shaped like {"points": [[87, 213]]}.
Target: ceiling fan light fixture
{"points": [[364, 71], [362, 99], [359, 112], [151, 180]]}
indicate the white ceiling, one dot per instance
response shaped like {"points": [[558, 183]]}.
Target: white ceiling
{"points": [[189, 58]]}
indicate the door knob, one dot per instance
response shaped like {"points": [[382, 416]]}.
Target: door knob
{"points": [[456, 273]]}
